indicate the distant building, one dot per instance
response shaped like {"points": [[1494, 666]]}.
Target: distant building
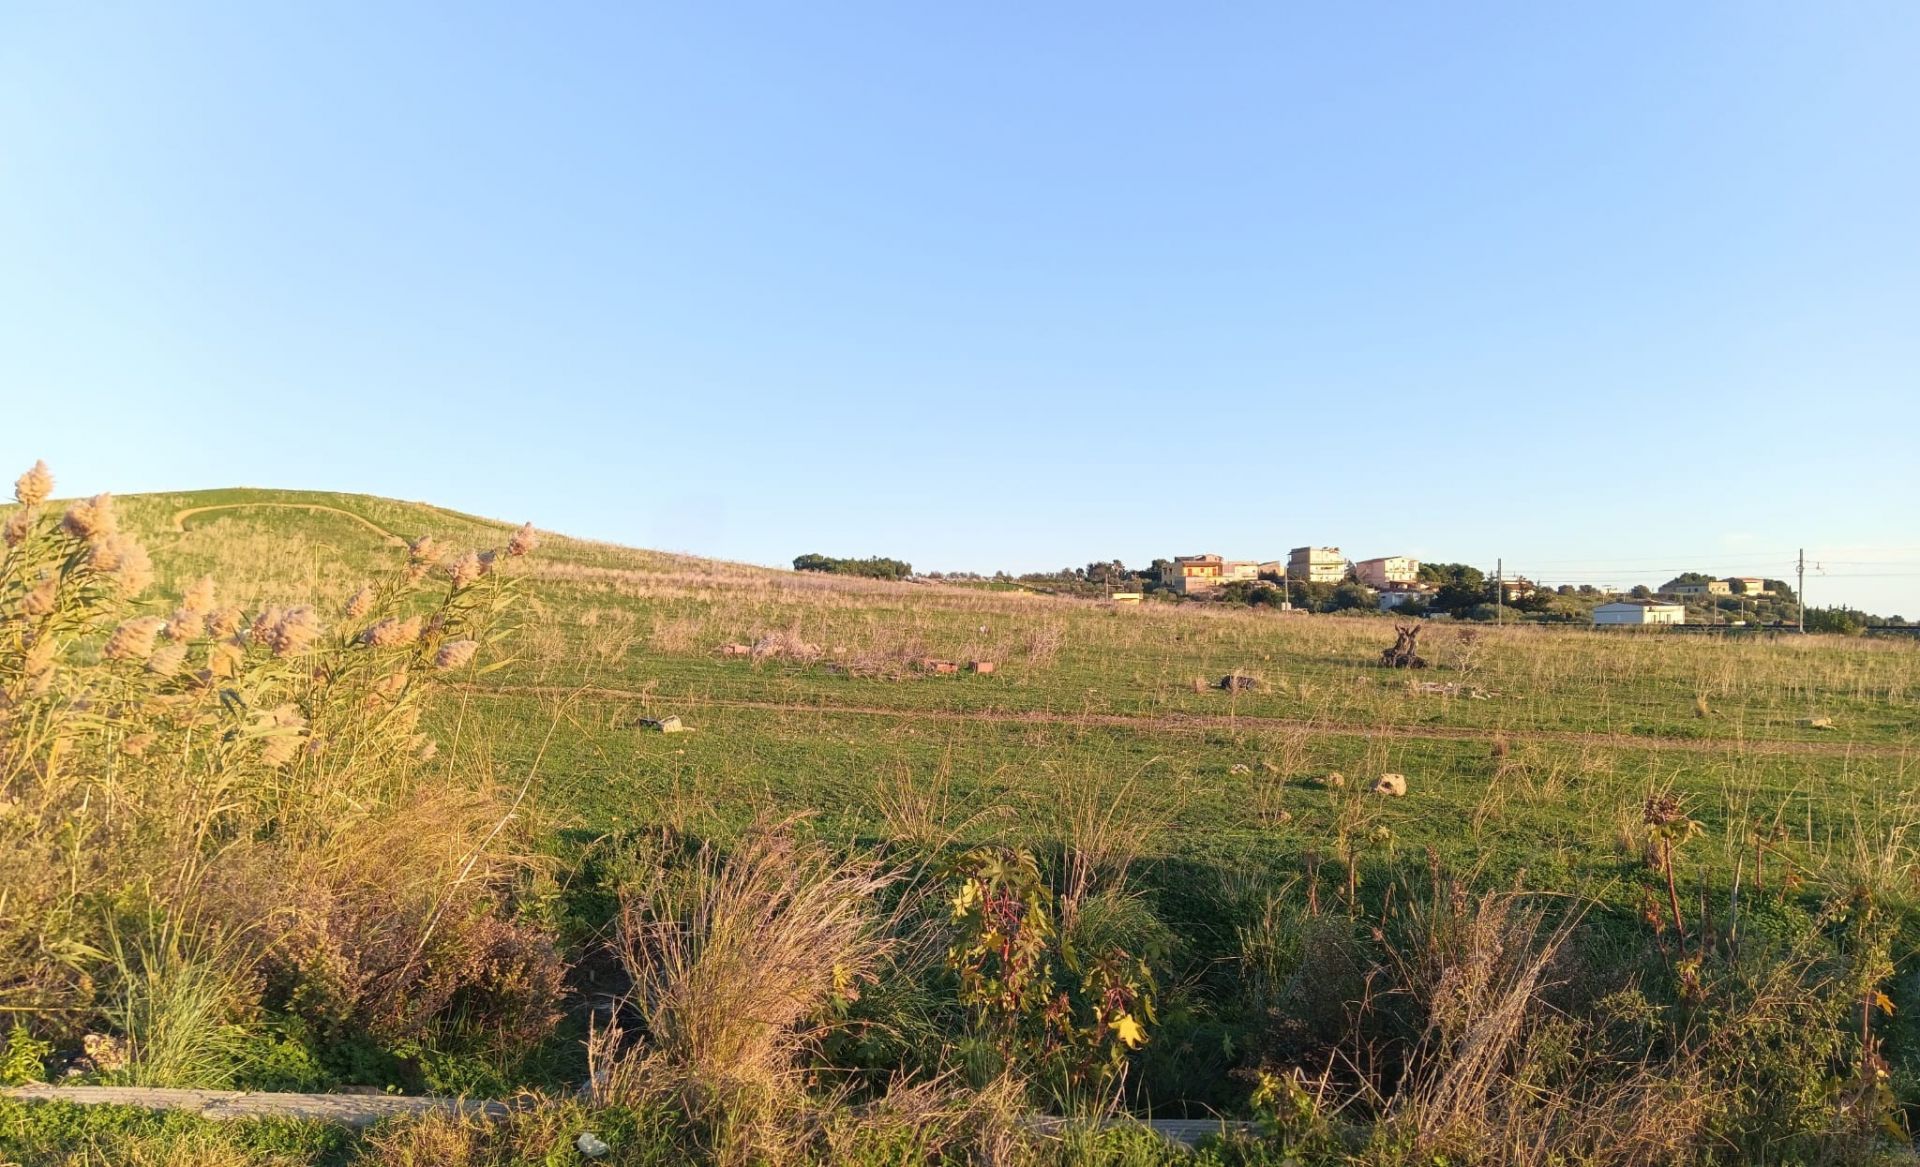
{"points": [[1388, 570], [1125, 597], [1639, 612], [1517, 588], [1712, 587], [1316, 565], [1748, 585], [1397, 595], [1195, 574]]}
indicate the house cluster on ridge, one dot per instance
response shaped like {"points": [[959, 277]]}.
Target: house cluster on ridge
{"points": [[1395, 577]]}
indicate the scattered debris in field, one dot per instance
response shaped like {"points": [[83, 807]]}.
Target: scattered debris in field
{"points": [[1239, 768], [736, 650], [1404, 654], [784, 644], [1334, 781], [980, 667], [1392, 785], [1237, 683], [667, 724], [1452, 689], [1816, 723], [590, 1145], [929, 664]]}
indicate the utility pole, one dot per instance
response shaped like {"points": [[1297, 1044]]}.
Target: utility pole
{"points": [[1800, 588], [1499, 589]]}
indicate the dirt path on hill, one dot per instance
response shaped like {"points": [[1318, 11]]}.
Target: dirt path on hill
{"points": [[180, 517], [1206, 722]]}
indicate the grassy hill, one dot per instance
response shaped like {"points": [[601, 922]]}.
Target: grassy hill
{"points": [[1227, 839]]}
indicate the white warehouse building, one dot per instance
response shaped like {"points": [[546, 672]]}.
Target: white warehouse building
{"points": [[1640, 612]]}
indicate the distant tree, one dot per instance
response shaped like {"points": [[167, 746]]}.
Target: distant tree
{"points": [[1353, 595], [872, 568], [1441, 574], [1251, 593], [1162, 569], [1846, 621], [1111, 572], [1641, 592]]}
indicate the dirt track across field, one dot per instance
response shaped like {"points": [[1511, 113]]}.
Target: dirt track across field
{"points": [[1205, 723], [180, 517]]}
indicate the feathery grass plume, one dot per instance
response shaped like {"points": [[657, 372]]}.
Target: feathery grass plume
{"points": [[455, 654], [280, 749], [523, 542], [423, 550], [260, 630], [486, 561], [39, 656], [35, 486], [125, 560], [133, 639], [390, 685], [294, 632], [137, 744], [392, 633], [361, 603], [185, 624], [41, 600], [283, 746], [90, 518], [19, 524], [167, 659], [225, 622], [198, 597], [465, 570]]}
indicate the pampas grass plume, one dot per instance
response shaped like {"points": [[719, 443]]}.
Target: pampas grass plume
{"points": [[90, 518], [133, 639], [455, 654], [35, 486]]}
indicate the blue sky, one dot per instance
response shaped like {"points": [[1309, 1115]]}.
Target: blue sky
{"points": [[1607, 291]]}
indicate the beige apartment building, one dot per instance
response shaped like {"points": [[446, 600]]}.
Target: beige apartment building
{"points": [[1316, 565], [1387, 570]]}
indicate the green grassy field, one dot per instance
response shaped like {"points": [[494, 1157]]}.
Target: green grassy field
{"points": [[1230, 830], [1090, 700]]}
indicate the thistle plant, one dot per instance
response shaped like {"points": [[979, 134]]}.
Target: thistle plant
{"points": [[1042, 1003], [1668, 827]]}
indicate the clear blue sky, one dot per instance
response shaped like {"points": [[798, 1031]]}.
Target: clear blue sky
{"points": [[1606, 290]]}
